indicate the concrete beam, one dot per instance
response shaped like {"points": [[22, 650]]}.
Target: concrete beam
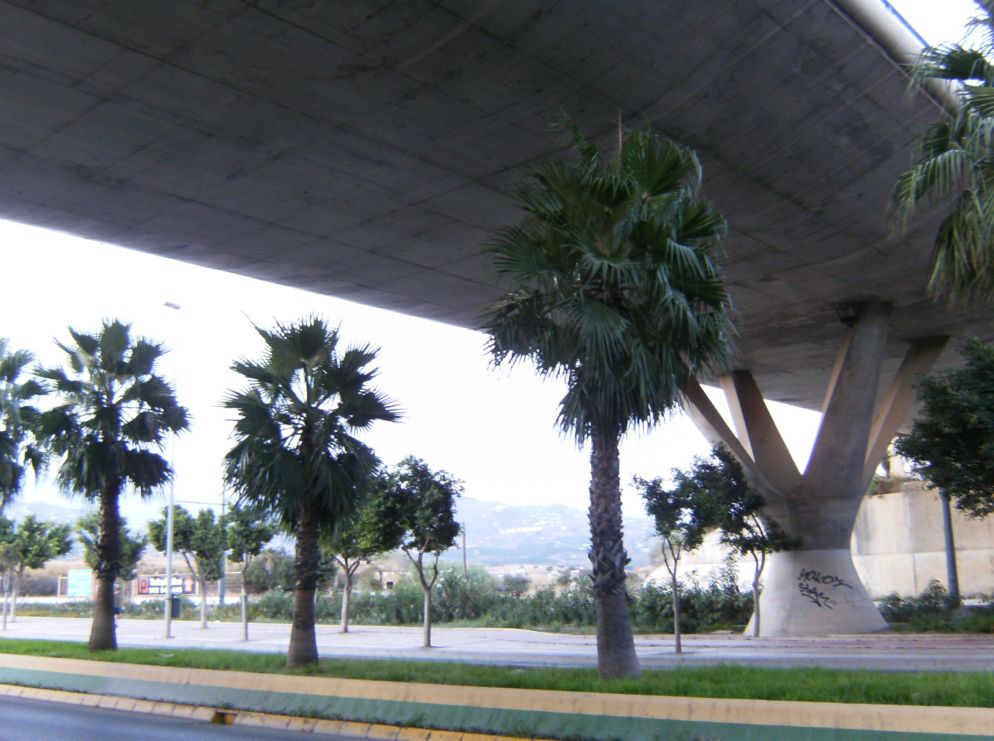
{"points": [[759, 432], [839, 454], [713, 426], [894, 407]]}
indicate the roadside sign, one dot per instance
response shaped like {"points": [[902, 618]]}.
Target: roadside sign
{"points": [[155, 584], [79, 583]]}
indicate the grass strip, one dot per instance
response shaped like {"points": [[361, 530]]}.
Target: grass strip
{"points": [[953, 689]]}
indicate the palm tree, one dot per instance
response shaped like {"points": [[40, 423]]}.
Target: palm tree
{"points": [[115, 415], [17, 419], [618, 294], [954, 167], [295, 455]]}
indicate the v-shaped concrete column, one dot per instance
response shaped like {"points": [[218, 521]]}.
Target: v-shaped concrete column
{"points": [[815, 590]]}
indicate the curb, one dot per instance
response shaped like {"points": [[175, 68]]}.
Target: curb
{"points": [[482, 712]]}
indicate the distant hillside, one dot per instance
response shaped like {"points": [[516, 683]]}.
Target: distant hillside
{"points": [[544, 535], [66, 514], [541, 534]]}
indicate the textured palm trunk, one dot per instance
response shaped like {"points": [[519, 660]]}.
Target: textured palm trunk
{"points": [[103, 635], [303, 648], [615, 644], [346, 596]]}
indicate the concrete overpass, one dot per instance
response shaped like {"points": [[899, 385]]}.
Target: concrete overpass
{"points": [[368, 149]]}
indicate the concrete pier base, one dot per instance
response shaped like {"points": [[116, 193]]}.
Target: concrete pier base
{"points": [[815, 593]]}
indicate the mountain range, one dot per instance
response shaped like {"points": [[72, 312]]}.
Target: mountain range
{"points": [[496, 533], [540, 534]]}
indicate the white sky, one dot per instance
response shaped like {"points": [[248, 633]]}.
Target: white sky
{"points": [[495, 430]]}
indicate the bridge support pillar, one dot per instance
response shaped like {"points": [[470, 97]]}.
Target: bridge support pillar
{"points": [[815, 590]]}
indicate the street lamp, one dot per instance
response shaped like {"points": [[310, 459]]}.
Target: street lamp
{"points": [[169, 544], [167, 601]]}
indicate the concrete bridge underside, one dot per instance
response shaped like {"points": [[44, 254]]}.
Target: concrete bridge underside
{"points": [[367, 150]]}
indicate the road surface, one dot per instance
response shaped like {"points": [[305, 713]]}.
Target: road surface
{"points": [[34, 720]]}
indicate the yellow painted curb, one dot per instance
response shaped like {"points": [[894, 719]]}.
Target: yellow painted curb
{"points": [[372, 732], [943, 721]]}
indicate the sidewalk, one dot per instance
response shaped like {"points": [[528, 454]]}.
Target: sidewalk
{"points": [[886, 651]]}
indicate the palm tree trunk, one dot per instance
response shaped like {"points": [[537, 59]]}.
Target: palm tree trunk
{"points": [[346, 594], [103, 635], [303, 648], [202, 585], [615, 644], [677, 634]]}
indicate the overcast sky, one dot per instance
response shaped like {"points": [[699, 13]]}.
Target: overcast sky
{"points": [[495, 430]]}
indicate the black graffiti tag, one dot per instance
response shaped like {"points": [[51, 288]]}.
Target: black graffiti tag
{"points": [[818, 597], [827, 580], [809, 582]]}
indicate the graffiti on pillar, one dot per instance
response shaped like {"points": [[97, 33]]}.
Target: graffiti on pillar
{"points": [[811, 584], [818, 597]]}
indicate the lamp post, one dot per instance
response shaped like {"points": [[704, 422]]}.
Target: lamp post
{"points": [[169, 545], [167, 601]]}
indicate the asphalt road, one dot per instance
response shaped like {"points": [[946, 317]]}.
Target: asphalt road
{"points": [[35, 720]]}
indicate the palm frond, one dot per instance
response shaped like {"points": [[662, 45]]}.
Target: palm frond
{"points": [[614, 276]]}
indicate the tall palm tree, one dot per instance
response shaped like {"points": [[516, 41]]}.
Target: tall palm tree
{"points": [[295, 455], [954, 167], [617, 292], [115, 415], [17, 419]]}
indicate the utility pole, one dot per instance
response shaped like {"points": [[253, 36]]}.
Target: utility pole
{"points": [[465, 567]]}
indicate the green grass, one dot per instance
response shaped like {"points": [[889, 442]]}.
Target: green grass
{"points": [[966, 689]]}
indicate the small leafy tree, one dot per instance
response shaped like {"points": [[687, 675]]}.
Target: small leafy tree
{"points": [[951, 443], [201, 542], [680, 526], [132, 544], [723, 497], [18, 416], [34, 543], [375, 529], [416, 511], [115, 414], [247, 531], [271, 570]]}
